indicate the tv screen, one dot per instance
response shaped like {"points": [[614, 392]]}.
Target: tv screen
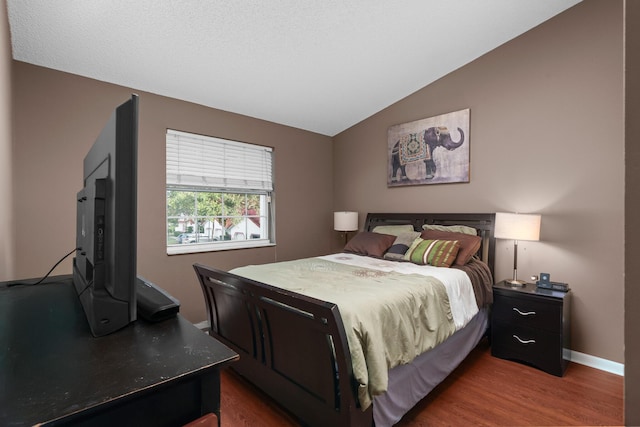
{"points": [[104, 268]]}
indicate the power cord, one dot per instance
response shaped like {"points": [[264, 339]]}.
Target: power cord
{"points": [[85, 288], [46, 275]]}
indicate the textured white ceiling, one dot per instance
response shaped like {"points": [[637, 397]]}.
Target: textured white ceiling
{"points": [[319, 65]]}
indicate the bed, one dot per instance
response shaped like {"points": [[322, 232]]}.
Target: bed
{"points": [[297, 349]]}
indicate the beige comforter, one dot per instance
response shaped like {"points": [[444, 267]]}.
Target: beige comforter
{"points": [[389, 318]]}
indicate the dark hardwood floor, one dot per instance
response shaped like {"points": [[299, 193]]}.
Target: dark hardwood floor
{"points": [[483, 391]]}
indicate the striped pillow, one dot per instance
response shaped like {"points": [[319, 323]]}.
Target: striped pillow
{"points": [[439, 253]]}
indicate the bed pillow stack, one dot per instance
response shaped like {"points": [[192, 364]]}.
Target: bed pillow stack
{"points": [[440, 246], [409, 246]]}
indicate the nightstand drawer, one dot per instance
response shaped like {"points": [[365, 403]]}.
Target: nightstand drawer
{"points": [[533, 346], [528, 312]]}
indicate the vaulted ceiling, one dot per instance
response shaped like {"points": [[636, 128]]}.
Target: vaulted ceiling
{"points": [[318, 65]]}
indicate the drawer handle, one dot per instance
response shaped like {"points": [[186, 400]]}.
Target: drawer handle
{"points": [[524, 341], [524, 313]]}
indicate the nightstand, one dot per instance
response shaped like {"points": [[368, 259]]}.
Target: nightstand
{"points": [[531, 325]]}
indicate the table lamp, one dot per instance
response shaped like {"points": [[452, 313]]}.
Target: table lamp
{"points": [[516, 227], [345, 222]]}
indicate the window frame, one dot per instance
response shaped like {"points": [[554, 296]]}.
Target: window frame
{"points": [[264, 187]]}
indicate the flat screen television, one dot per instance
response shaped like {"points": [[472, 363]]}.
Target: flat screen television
{"points": [[104, 267]]}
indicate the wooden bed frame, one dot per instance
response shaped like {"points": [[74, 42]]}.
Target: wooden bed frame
{"points": [[294, 347]]}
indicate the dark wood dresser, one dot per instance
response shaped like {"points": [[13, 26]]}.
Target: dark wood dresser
{"points": [[54, 372], [531, 325]]}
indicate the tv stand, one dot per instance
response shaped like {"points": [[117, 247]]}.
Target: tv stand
{"points": [[54, 372]]}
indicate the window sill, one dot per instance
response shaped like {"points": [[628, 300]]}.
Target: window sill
{"points": [[215, 247]]}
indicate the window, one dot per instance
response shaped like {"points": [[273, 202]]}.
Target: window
{"points": [[219, 194]]}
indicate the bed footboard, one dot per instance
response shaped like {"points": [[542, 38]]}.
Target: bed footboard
{"points": [[291, 346]]}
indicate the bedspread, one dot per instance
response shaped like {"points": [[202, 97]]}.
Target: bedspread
{"points": [[481, 279], [389, 317], [458, 283]]}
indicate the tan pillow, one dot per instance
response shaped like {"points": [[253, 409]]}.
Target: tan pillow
{"points": [[453, 228], [396, 230], [469, 245]]}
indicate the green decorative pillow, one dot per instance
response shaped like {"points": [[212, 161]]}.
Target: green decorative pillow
{"points": [[439, 253], [469, 245], [369, 244], [394, 230], [452, 228], [401, 246]]}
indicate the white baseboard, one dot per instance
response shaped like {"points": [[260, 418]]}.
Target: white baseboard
{"points": [[596, 362]]}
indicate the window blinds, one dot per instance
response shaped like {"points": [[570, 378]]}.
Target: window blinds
{"points": [[204, 163]]}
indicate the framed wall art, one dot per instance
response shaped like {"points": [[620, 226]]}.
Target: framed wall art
{"points": [[429, 151]]}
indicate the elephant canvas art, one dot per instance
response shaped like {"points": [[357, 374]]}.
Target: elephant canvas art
{"points": [[429, 151]]}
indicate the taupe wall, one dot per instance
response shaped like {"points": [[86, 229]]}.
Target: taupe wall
{"points": [[6, 242], [57, 116], [632, 219], [546, 136]]}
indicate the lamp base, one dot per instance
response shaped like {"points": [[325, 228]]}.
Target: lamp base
{"points": [[515, 283]]}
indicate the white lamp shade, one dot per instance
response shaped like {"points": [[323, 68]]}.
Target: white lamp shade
{"points": [[345, 221], [517, 226]]}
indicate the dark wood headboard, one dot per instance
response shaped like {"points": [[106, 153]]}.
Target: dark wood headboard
{"points": [[483, 222]]}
